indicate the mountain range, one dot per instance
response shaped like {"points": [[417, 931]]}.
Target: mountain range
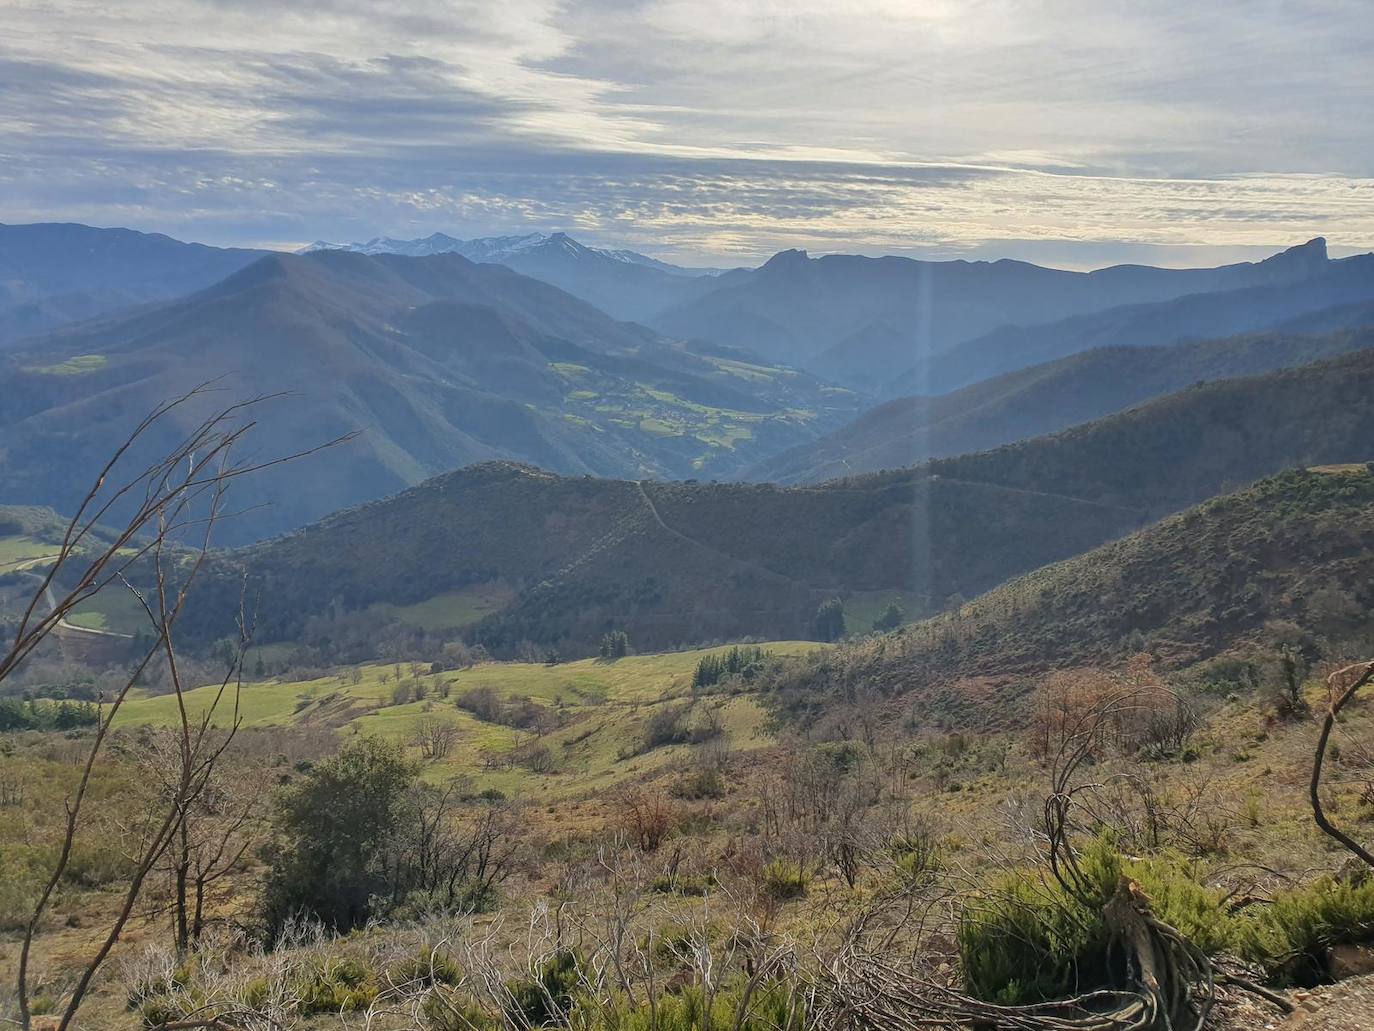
{"points": [[622, 283], [863, 322], [55, 273], [1335, 293], [442, 362]]}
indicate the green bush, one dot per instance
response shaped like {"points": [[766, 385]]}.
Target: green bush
{"points": [[915, 857], [336, 985], [700, 784], [425, 968], [26, 869], [165, 998], [467, 897], [743, 662], [766, 1009], [1290, 937], [157, 1010], [684, 884], [1026, 940], [770, 1008], [332, 829], [615, 645], [782, 880], [546, 998], [828, 623], [1183, 903], [447, 1010], [93, 866]]}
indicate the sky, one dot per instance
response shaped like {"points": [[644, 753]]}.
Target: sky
{"points": [[1071, 133]]}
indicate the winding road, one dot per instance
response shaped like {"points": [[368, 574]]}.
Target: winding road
{"points": [[72, 628]]}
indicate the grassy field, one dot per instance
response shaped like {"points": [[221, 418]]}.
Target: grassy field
{"points": [[112, 609], [452, 610], [76, 365], [20, 552], [602, 708]]}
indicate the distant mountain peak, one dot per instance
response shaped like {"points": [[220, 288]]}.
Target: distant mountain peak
{"points": [[787, 260], [1309, 259], [496, 249]]}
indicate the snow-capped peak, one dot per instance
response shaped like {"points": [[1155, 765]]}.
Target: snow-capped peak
{"points": [[502, 249]]}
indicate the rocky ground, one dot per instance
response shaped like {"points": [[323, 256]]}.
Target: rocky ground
{"points": [[1344, 1006]]}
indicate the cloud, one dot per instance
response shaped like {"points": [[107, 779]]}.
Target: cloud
{"points": [[700, 129]]}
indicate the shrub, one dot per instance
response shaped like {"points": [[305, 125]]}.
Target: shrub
{"points": [[536, 758], [764, 1008], [781, 880], [425, 968], [164, 995], [1290, 938], [26, 869], [646, 816], [336, 985], [915, 856], [547, 997], [92, 865], [333, 825], [465, 896], [891, 619], [744, 663], [1027, 941], [446, 1010], [1225, 675], [1179, 900], [667, 726], [158, 1010], [684, 884], [700, 784]]}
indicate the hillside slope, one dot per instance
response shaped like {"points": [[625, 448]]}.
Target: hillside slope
{"points": [[1042, 399], [676, 563], [1187, 588], [53, 273], [439, 361]]}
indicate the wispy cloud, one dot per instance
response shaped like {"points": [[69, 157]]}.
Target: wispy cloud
{"points": [[701, 129]]}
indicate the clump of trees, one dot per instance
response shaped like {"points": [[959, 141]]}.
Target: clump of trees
{"points": [[828, 623], [893, 616], [520, 712], [38, 714], [361, 837], [614, 645], [743, 662], [673, 725]]}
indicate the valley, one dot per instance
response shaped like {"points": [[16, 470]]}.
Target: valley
{"points": [[686, 516], [691, 641]]}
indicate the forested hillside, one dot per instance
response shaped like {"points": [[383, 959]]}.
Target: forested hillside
{"points": [[679, 563], [1295, 550]]}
